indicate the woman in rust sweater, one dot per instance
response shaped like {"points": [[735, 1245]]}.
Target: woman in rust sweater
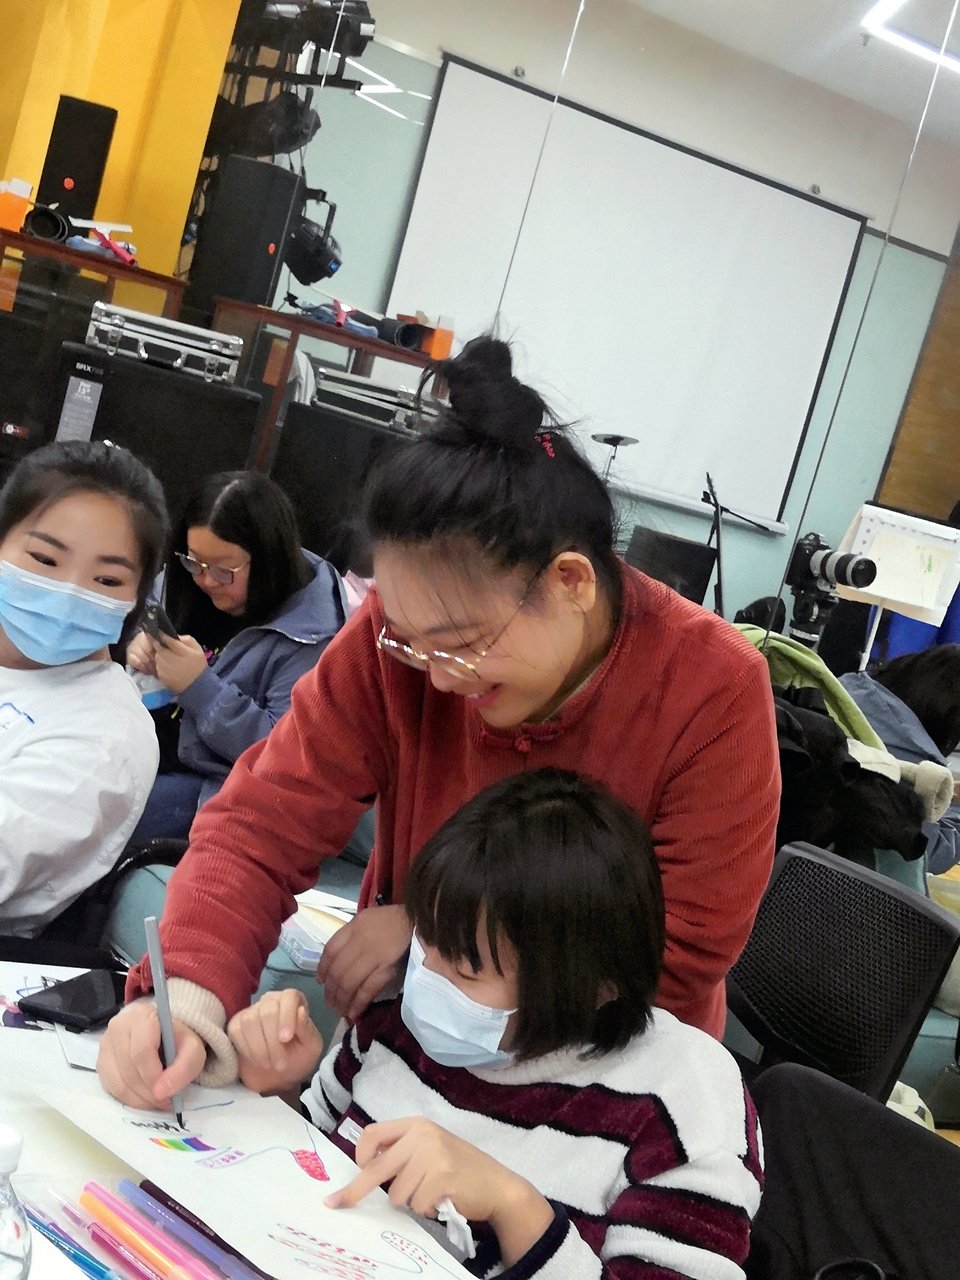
{"points": [[504, 634]]}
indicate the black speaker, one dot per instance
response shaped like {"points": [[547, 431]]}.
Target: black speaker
{"points": [[182, 427], [322, 460], [76, 157], [242, 235]]}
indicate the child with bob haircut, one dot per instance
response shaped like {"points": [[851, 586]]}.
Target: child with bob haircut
{"points": [[523, 1073]]}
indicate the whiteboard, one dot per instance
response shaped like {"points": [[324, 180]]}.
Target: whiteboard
{"points": [[654, 292]]}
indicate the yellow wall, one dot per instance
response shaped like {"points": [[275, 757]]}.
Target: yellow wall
{"points": [[158, 62]]}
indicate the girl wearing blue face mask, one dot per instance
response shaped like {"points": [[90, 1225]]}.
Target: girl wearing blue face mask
{"points": [[82, 530], [521, 1080]]}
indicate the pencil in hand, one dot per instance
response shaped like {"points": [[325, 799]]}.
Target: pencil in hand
{"points": [[167, 1041]]}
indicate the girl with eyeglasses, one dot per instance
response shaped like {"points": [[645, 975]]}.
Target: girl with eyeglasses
{"points": [[504, 635], [82, 531], [253, 611]]}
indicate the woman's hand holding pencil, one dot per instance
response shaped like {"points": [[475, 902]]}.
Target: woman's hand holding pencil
{"points": [[129, 1064]]}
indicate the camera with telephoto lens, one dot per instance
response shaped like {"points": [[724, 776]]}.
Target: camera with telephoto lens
{"points": [[814, 572], [815, 565]]}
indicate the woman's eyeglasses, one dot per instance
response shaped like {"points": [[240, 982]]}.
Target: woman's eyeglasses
{"points": [[221, 575], [422, 659]]}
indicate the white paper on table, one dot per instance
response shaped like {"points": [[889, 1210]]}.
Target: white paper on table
{"points": [[258, 1174], [80, 1049]]}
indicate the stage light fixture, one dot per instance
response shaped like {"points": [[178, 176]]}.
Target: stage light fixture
{"points": [[347, 33], [274, 127], [342, 28], [312, 252]]}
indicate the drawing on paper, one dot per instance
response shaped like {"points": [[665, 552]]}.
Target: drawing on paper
{"points": [[274, 1173], [183, 1144], [222, 1157], [333, 1260]]}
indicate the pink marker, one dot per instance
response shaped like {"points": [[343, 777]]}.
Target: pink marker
{"points": [[121, 1254], [161, 1241]]}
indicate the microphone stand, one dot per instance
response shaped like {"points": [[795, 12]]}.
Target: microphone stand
{"points": [[709, 496]]}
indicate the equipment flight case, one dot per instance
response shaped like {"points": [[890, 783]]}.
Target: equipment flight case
{"points": [[214, 357]]}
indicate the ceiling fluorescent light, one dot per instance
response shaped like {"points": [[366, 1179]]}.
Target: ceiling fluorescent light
{"points": [[365, 97], [367, 71], [875, 23]]}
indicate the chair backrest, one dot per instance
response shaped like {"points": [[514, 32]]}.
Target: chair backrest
{"points": [[684, 565], [840, 969]]}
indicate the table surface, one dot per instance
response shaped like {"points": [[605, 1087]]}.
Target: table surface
{"points": [[55, 1153], [59, 1156]]}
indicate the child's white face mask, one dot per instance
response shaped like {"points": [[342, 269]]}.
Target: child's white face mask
{"points": [[450, 1027]]}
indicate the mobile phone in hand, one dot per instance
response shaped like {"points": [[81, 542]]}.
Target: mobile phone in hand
{"points": [[156, 623], [80, 1003]]}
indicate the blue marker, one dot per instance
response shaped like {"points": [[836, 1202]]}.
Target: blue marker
{"points": [[87, 1263], [165, 1218]]}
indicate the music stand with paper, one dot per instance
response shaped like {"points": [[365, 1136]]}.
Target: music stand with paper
{"points": [[918, 565]]}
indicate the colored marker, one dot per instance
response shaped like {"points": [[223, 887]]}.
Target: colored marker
{"points": [[166, 1218], [159, 974], [153, 1235], [198, 1224], [154, 1258], [123, 1255], [105, 1240], [87, 1263], [53, 1231], [71, 1210], [168, 1202]]}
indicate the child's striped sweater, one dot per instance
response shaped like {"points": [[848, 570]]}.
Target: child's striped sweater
{"points": [[651, 1155]]}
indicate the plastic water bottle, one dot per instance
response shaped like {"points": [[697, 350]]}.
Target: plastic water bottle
{"points": [[14, 1231]]}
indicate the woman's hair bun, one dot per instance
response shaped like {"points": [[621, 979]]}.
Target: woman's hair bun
{"points": [[487, 403]]}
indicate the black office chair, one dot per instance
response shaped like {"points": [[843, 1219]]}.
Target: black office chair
{"points": [[684, 565], [840, 969], [847, 1178]]}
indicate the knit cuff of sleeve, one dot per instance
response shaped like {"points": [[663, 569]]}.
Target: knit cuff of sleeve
{"points": [[933, 783], [203, 1013], [198, 695], [545, 1250]]}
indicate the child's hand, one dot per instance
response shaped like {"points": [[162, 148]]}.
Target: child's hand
{"points": [[276, 1042], [424, 1163]]}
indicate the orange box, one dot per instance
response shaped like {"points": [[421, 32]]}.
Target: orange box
{"points": [[13, 210], [436, 343]]}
